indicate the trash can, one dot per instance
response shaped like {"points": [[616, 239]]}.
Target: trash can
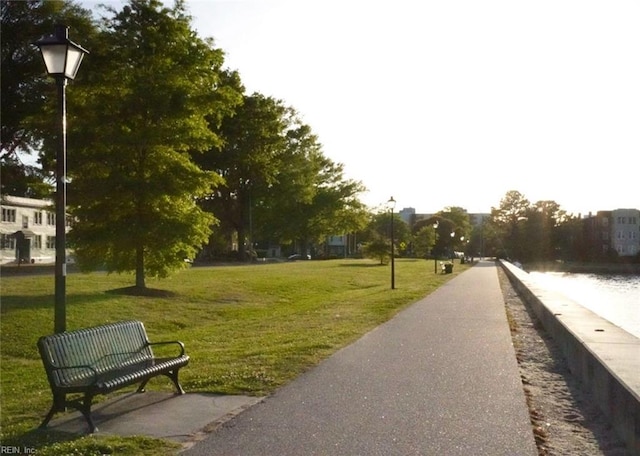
{"points": [[448, 268]]}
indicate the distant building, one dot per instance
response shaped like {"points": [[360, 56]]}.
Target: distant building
{"points": [[27, 230], [478, 219], [408, 215], [597, 236], [617, 230], [625, 231], [337, 245]]}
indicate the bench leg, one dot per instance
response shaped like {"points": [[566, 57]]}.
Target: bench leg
{"points": [[173, 375], [47, 418], [59, 405], [142, 386], [85, 409]]}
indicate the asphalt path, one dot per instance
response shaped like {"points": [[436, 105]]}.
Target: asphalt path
{"points": [[441, 378]]}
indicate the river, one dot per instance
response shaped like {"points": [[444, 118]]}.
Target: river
{"points": [[614, 297]]}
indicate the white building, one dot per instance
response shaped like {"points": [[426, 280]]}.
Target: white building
{"points": [[27, 230], [625, 231]]}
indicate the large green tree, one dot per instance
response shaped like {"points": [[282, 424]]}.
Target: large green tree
{"points": [[506, 225], [541, 231], [279, 187], [151, 90], [311, 198], [378, 232], [424, 239], [529, 232], [249, 158], [458, 224], [29, 98]]}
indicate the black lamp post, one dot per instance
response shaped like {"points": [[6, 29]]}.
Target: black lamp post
{"points": [[435, 258], [392, 204], [62, 57], [453, 240]]}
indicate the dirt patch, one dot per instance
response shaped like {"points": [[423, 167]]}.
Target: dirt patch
{"points": [[564, 416]]}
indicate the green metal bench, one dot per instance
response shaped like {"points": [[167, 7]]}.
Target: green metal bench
{"points": [[102, 359]]}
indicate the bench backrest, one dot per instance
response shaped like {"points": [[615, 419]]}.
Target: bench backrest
{"points": [[102, 348]]}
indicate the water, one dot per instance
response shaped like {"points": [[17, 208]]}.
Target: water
{"points": [[614, 297]]}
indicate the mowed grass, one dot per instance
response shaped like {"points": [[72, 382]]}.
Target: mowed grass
{"points": [[248, 330]]}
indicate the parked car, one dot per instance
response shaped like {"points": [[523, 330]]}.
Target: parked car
{"points": [[297, 256]]}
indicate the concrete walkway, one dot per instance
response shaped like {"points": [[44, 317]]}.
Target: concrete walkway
{"points": [[440, 378]]}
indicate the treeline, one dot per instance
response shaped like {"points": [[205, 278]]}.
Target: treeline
{"points": [[516, 229], [168, 156], [170, 159], [543, 232]]}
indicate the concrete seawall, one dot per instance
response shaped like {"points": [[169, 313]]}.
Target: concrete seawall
{"points": [[604, 357]]}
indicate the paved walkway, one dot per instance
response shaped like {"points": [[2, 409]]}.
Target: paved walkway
{"points": [[440, 378]]}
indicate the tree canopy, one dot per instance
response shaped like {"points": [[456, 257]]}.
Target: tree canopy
{"points": [[278, 187], [28, 94], [526, 232], [164, 143], [145, 106]]}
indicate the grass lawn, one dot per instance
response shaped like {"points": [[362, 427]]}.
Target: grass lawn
{"points": [[248, 330]]}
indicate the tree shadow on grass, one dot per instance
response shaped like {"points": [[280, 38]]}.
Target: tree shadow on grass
{"points": [[360, 265], [145, 292], [12, 302]]}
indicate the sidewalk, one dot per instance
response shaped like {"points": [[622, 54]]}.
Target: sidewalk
{"points": [[440, 378]]}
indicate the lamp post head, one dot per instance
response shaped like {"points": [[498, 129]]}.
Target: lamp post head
{"points": [[61, 56], [391, 203]]}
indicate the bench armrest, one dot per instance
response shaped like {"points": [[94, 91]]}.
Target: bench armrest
{"points": [[169, 342]]}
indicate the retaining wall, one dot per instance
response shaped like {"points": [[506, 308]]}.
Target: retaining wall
{"points": [[604, 357]]}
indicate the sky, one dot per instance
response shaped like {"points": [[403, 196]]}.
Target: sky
{"points": [[452, 103]]}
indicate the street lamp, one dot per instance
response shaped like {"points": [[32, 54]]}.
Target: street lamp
{"points": [[453, 252], [435, 258], [62, 57], [392, 204]]}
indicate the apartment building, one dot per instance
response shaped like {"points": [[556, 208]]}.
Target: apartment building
{"points": [[27, 230], [617, 230], [625, 231]]}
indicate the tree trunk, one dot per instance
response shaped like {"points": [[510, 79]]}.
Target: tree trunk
{"points": [[242, 250], [140, 283]]}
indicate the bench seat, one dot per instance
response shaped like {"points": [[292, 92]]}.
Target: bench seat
{"points": [[103, 359]]}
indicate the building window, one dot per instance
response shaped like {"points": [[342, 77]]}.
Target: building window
{"points": [[51, 218], [8, 215], [37, 218], [37, 242], [25, 221], [51, 242], [7, 242]]}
